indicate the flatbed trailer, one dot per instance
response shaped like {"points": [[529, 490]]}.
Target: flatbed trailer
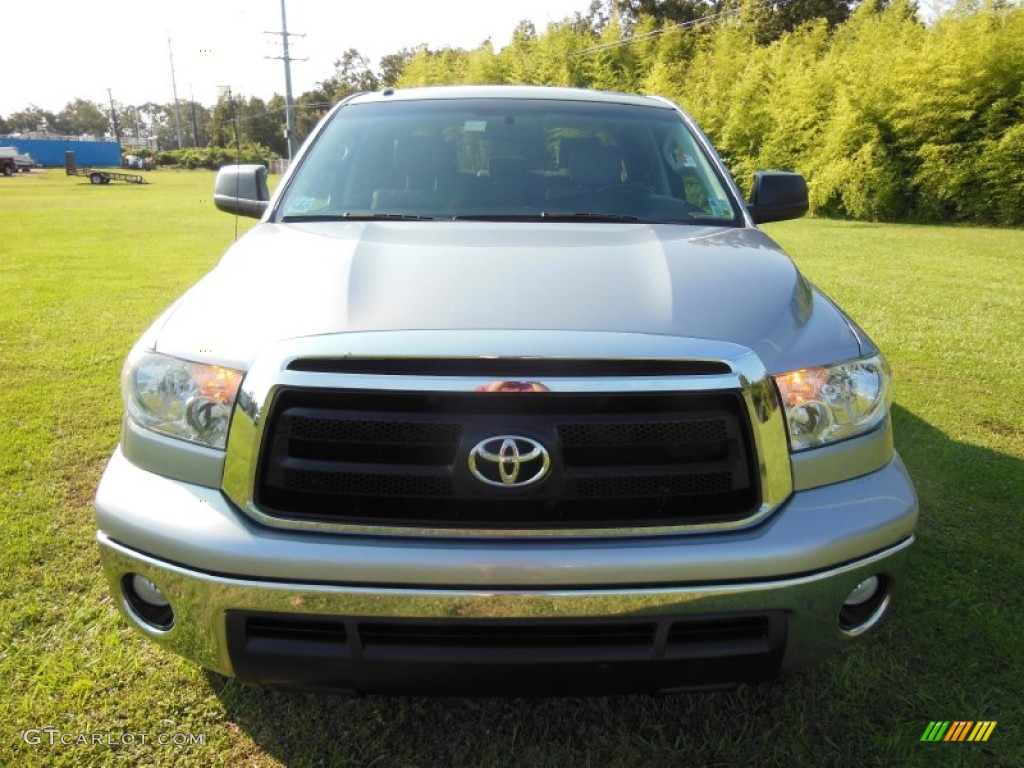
{"points": [[97, 175]]}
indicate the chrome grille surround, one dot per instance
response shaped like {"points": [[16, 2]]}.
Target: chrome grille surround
{"points": [[270, 373]]}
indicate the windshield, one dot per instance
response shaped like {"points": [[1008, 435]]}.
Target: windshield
{"points": [[507, 159]]}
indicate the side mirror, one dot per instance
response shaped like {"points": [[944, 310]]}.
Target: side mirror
{"points": [[242, 190], [777, 196]]}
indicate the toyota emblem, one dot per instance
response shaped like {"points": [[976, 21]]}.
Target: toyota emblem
{"points": [[509, 461]]}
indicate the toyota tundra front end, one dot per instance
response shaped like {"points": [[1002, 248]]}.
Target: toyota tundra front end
{"points": [[506, 394]]}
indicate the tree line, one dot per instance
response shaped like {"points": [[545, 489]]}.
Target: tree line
{"points": [[889, 118], [257, 125]]}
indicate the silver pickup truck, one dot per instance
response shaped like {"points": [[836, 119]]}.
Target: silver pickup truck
{"points": [[505, 394]]}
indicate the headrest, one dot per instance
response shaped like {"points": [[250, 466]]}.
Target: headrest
{"points": [[417, 161], [590, 162], [502, 168]]}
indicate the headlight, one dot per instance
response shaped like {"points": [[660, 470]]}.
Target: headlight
{"points": [[831, 403], [191, 401]]}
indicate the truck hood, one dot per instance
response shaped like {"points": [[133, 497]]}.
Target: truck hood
{"points": [[284, 281]]}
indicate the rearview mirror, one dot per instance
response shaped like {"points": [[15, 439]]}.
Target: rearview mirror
{"points": [[776, 196], [242, 190]]}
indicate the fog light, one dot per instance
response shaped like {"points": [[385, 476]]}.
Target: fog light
{"points": [[149, 592], [863, 591], [865, 606], [147, 603]]}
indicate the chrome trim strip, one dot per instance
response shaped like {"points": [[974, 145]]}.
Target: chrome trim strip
{"points": [[269, 374], [586, 596]]}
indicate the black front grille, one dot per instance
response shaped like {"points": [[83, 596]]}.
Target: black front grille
{"points": [[402, 459], [522, 656], [358, 484], [627, 486]]}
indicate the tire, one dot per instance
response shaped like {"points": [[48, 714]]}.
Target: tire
{"points": [[96, 178], [8, 171]]}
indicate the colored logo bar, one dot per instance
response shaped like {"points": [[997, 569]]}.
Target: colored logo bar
{"points": [[958, 730]]}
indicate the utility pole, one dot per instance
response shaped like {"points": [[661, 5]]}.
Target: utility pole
{"points": [[174, 88], [195, 123], [113, 116], [289, 102]]}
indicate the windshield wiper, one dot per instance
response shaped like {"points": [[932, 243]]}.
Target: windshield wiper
{"points": [[591, 216], [348, 216]]}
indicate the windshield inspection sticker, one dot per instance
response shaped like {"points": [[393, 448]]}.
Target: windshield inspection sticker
{"points": [[475, 126], [302, 204]]}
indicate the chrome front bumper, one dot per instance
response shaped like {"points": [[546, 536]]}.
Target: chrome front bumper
{"points": [[201, 602], [209, 559]]}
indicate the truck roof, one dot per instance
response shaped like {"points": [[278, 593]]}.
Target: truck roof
{"points": [[508, 92]]}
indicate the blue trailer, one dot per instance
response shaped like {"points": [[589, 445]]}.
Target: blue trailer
{"points": [[49, 152]]}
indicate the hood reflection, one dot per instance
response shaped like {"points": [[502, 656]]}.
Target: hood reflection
{"points": [[512, 386]]}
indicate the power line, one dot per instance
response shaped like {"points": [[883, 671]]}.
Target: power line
{"points": [[662, 30]]}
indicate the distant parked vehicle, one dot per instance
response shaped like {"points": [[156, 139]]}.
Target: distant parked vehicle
{"points": [[136, 162], [8, 160], [25, 162]]}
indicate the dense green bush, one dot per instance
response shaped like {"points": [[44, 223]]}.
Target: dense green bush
{"points": [[138, 151], [890, 119], [214, 157]]}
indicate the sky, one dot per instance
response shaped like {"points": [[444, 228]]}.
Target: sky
{"points": [[67, 49]]}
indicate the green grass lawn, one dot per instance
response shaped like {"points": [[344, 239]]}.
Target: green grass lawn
{"points": [[84, 269]]}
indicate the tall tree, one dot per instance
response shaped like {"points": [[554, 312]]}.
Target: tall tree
{"points": [[223, 125], [160, 119], [770, 19], [776, 18], [261, 125], [593, 21], [310, 107], [666, 11], [275, 107], [82, 118], [352, 74], [30, 120], [392, 66], [613, 66], [196, 116], [558, 54], [519, 56]]}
